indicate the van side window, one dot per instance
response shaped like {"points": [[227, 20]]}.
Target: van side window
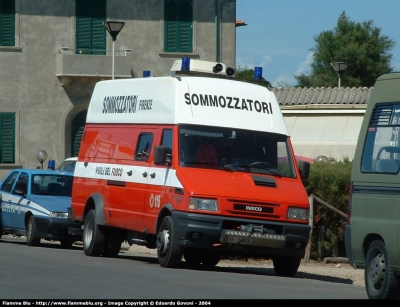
{"points": [[382, 146], [167, 138], [143, 147]]}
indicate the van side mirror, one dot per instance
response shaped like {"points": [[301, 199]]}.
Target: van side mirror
{"points": [[304, 168], [162, 155]]}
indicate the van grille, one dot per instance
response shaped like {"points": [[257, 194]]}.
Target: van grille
{"points": [[253, 208]]}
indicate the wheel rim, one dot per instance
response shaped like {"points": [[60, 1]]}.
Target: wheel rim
{"points": [[88, 235], [163, 241], [377, 271]]}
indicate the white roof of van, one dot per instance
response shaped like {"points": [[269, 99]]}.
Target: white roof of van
{"points": [[186, 100]]}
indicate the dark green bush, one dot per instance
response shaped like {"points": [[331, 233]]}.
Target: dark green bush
{"points": [[329, 181]]}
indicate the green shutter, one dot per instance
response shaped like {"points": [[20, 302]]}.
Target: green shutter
{"points": [[78, 125], [7, 139], [7, 22], [90, 32], [178, 21]]}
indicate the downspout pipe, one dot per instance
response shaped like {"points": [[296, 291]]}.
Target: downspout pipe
{"points": [[217, 39]]}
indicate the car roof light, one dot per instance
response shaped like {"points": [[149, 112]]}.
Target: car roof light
{"points": [[146, 73]]}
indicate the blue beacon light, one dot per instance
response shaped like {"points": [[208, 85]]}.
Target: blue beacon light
{"points": [[146, 73], [185, 64], [257, 73], [51, 164]]}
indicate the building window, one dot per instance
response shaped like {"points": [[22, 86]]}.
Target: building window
{"points": [[178, 25], [7, 22], [7, 138], [90, 31]]}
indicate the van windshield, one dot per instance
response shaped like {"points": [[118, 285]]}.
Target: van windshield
{"points": [[235, 150]]}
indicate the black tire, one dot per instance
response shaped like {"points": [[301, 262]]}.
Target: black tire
{"points": [[94, 236], [286, 266], [31, 233], [210, 259], [192, 256], [168, 251], [67, 243], [380, 281], [112, 246]]}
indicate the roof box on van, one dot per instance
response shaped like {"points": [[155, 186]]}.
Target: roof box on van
{"points": [[202, 66]]}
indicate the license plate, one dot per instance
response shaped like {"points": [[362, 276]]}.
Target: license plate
{"points": [[238, 240]]}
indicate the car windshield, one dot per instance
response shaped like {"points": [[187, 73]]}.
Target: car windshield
{"points": [[235, 150], [67, 166], [57, 185]]}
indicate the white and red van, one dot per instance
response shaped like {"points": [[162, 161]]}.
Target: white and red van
{"points": [[197, 165]]}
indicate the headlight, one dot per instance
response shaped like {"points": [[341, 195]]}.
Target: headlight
{"points": [[203, 204], [59, 215], [298, 214]]}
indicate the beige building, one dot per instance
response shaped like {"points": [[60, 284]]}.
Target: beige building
{"points": [[323, 121], [52, 53]]}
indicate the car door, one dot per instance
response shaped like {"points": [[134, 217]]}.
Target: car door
{"points": [[8, 200], [19, 192]]}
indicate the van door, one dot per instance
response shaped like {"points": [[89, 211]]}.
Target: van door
{"points": [[157, 184]]}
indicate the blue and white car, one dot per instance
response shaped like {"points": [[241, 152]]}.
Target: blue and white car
{"points": [[34, 204]]}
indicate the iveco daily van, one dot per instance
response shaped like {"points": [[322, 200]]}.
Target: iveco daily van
{"points": [[198, 165]]}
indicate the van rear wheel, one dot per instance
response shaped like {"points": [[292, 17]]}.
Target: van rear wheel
{"points": [[380, 281], [113, 243], [286, 266], [93, 235], [168, 251]]}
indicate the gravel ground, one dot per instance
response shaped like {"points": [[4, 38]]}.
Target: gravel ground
{"points": [[339, 272]]}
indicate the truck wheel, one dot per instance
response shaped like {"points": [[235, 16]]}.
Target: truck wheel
{"points": [[31, 233], [93, 235], [192, 256], [211, 259], [113, 243], [380, 281], [286, 266], [168, 251]]}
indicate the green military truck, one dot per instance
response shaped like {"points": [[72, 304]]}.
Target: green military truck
{"points": [[372, 235]]}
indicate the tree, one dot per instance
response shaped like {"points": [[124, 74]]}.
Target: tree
{"points": [[360, 44]]}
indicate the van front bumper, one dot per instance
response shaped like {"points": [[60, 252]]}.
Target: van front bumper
{"points": [[241, 236]]}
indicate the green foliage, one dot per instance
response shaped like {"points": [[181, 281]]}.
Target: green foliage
{"points": [[360, 44], [330, 182], [244, 73]]}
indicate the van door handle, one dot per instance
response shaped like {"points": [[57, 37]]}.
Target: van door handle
{"points": [[153, 175], [144, 174]]}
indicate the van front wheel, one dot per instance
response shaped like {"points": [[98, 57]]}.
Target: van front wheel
{"points": [[286, 266], [380, 281], [168, 251]]}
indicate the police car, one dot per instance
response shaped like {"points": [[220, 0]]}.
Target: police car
{"points": [[34, 204]]}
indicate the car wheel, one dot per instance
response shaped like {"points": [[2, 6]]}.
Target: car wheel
{"points": [[380, 281], [67, 243], [286, 266], [93, 235], [31, 233], [113, 243], [168, 251]]}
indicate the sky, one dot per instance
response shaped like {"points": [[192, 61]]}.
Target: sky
{"points": [[279, 34]]}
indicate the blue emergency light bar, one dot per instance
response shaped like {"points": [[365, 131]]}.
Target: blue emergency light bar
{"points": [[146, 73], [257, 73]]}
